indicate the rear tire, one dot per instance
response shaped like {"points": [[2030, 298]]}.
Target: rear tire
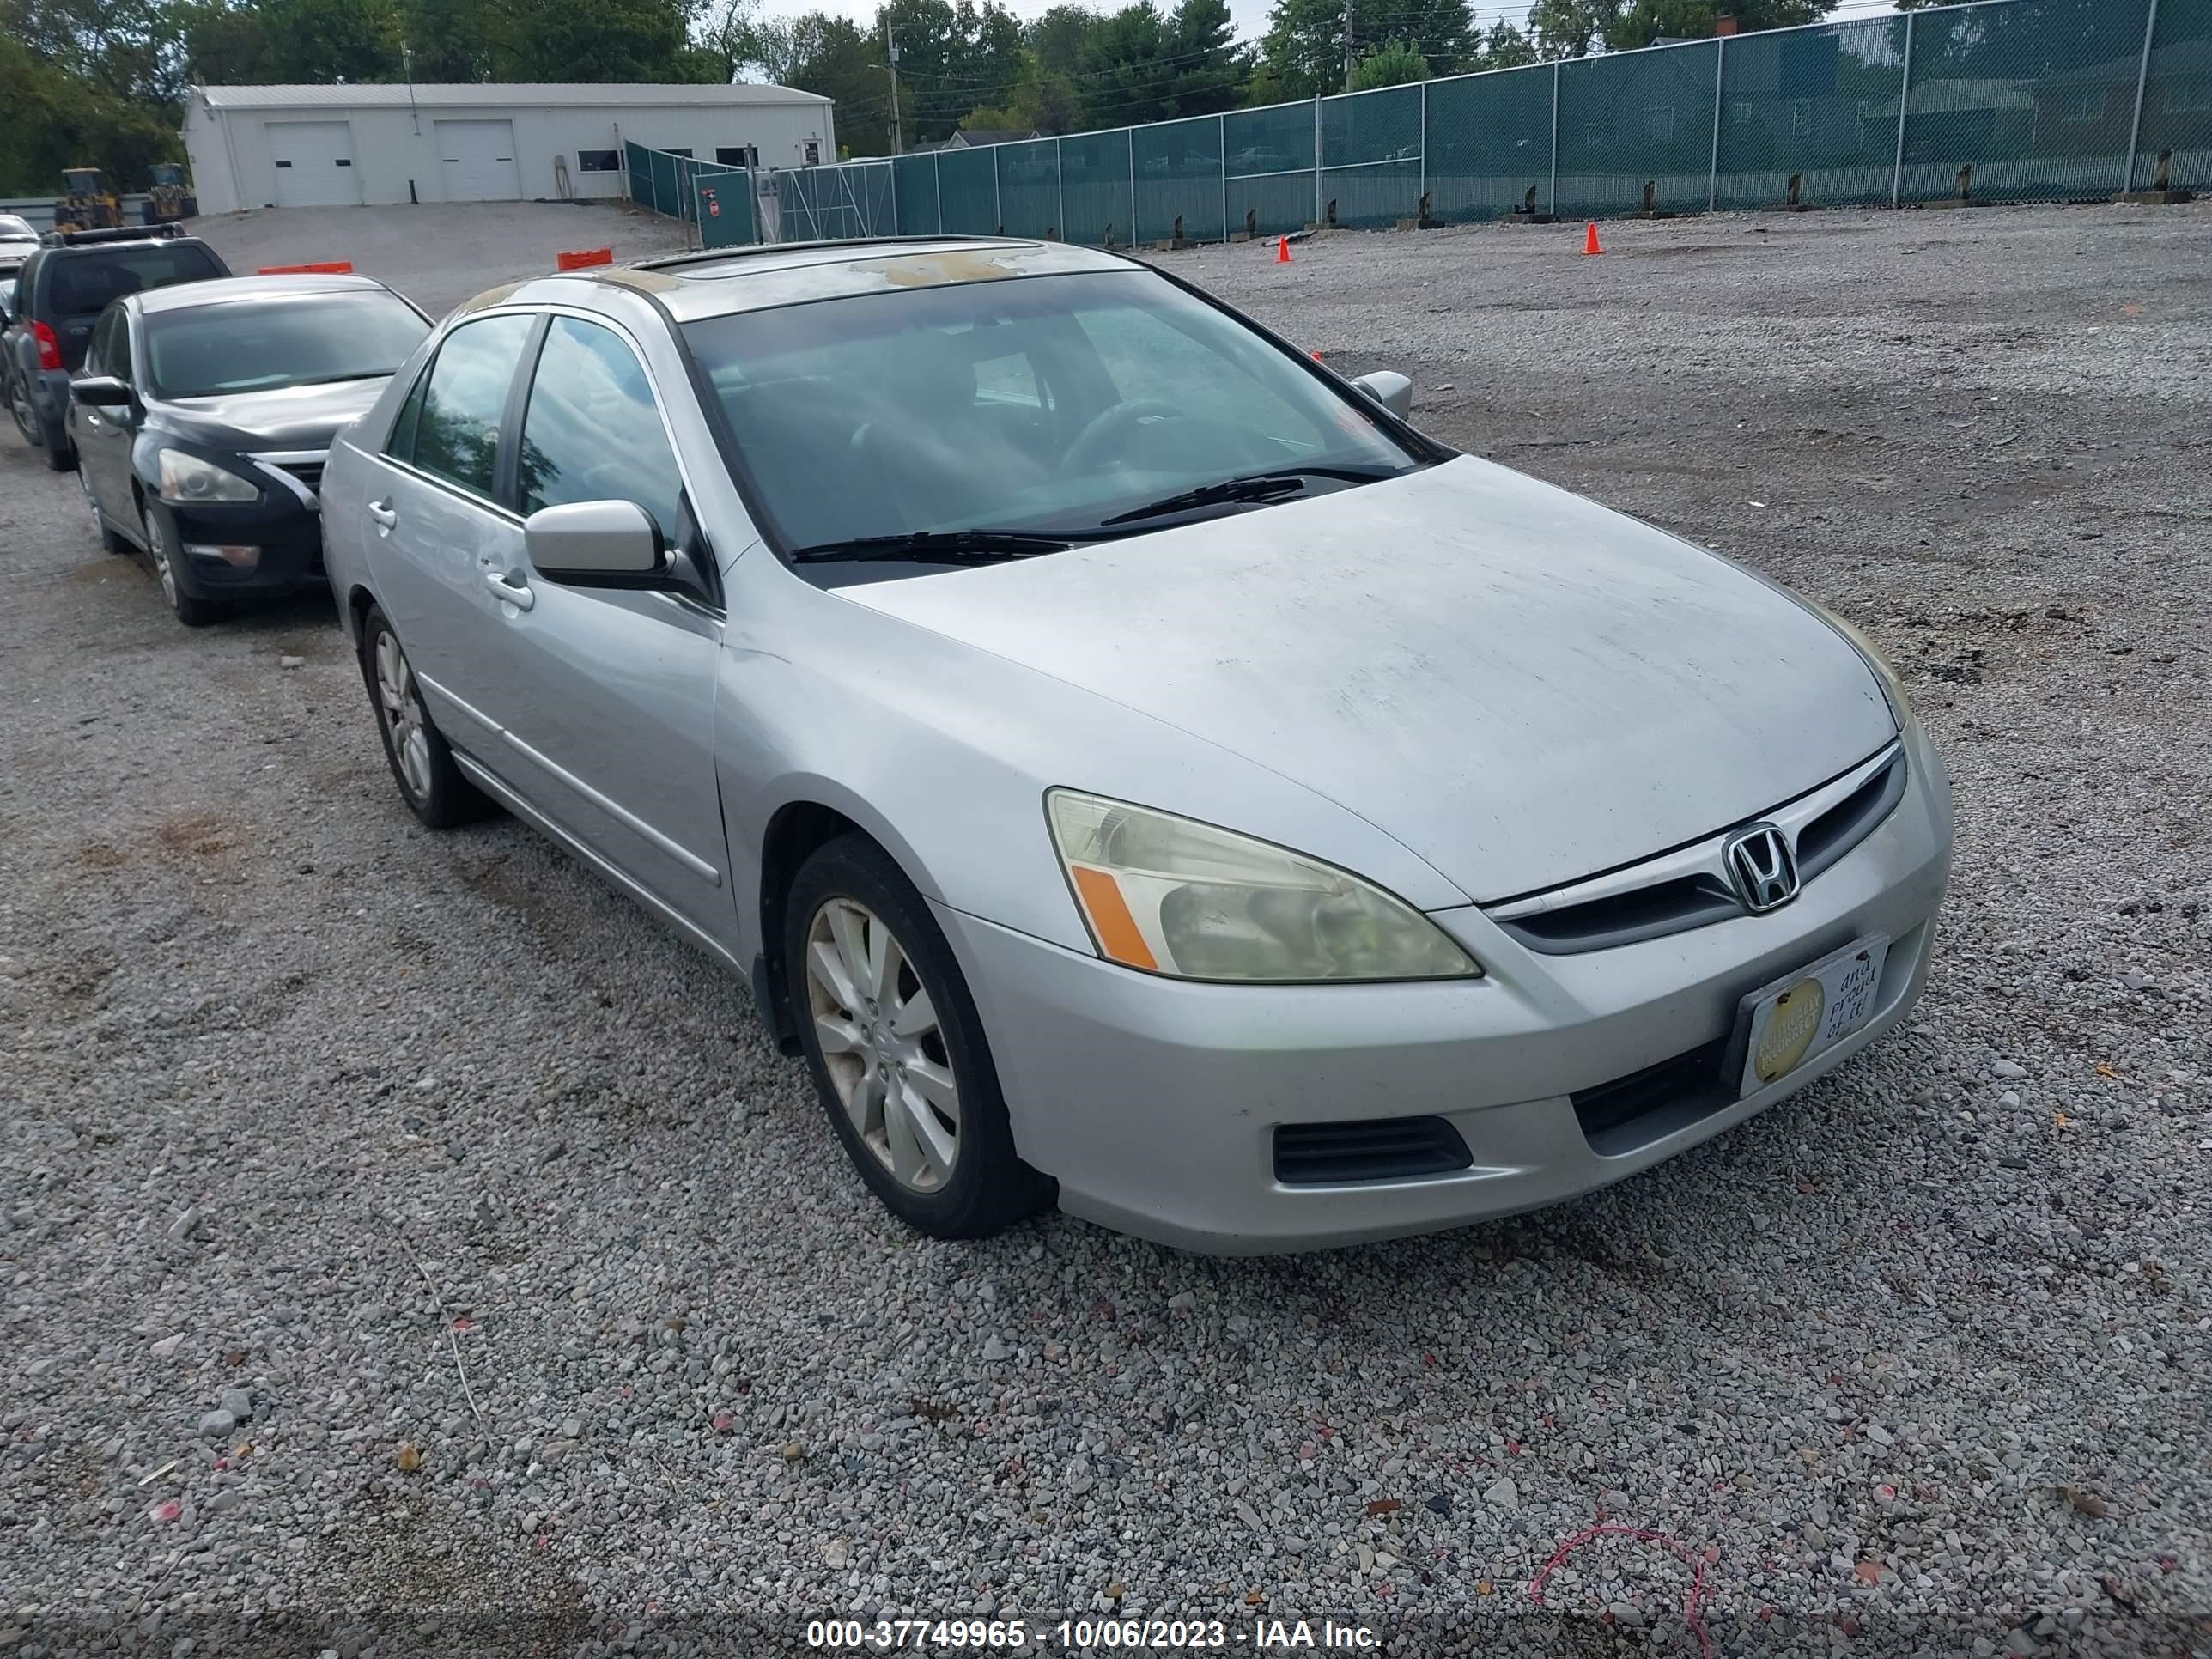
{"points": [[26, 415], [109, 541], [422, 760], [898, 1051]]}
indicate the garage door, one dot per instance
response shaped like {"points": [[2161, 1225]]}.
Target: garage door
{"points": [[314, 163], [477, 159]]}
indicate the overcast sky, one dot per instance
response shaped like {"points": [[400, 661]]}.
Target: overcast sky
{"points": [[1250, 15]]}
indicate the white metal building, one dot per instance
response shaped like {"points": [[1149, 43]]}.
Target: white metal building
{"points": [[314, 146]]}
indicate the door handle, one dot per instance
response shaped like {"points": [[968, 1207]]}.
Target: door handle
{"points": [[514, 594], [383, 514]]}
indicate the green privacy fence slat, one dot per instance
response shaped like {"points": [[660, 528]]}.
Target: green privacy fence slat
{"points": [[2176, 105], [1028, 188], [1636, 118], [1276, 140], [664, 184], [2038, 97], [967, 185], [1489, 142], [913, 194], [1271, 203], [1819, 104], [1178, 177], [723, 206], [1371, 152], [1094, 175]]}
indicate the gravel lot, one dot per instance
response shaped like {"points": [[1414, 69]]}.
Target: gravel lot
{"points": [[440, 254], [401, 1224]]}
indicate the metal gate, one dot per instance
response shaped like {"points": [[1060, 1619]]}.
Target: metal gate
{"points": [[722, 203], [815, 205]]}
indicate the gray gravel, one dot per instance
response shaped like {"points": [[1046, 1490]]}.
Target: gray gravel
{"points": [[401, 1222], [439, 253]]}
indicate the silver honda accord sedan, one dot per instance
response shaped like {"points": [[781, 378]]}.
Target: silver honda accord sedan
{"points": [[1134, 767]]}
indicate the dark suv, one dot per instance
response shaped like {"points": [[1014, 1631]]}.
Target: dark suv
{"points": [[63, 286]]}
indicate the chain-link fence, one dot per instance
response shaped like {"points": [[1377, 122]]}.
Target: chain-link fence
{"points": [[2000, 100]]}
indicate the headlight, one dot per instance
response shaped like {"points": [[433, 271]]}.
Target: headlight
{"points": [[187, 478], [1900, 707], [1185, 899]]}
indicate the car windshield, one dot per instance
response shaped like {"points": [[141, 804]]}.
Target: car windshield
{"points": [[1057, 408], [82, 281], [8, 294], [258, 345]]}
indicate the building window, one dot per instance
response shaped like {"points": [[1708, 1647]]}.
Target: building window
{"points": [[598, 161], [2188, 100], [737, 155], [2083, 104], [1739, 113], [673, 150], [1801, 118]]}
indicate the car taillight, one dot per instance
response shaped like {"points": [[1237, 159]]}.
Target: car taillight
{"points": [[50, 348]]}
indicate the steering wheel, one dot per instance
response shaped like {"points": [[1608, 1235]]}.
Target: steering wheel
{"points": [[1092, 443]]}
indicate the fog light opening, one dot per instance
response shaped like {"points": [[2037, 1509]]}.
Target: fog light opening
{"points": [[240, 559]]}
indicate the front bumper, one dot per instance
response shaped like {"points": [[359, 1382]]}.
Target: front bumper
{"points": [[1154, 1101], [288, 540]]}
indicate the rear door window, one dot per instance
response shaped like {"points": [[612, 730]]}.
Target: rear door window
{"points": [[456, 434], [83, 284]]}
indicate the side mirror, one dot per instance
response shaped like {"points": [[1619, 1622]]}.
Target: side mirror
{"points": [[1391, 390], [586, 539], [100, 391]]}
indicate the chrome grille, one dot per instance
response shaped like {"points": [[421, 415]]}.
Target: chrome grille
{"points": [[299, 470], [1689, 887]]}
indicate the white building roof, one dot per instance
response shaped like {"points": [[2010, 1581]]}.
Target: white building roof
{"points": [[489, 95]]}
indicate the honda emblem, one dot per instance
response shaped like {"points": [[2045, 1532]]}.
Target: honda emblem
{"points": [[1760, 868]]}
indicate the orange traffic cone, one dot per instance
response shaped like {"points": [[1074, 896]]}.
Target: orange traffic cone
{"points": [[1282, 249], [1590, 244]]}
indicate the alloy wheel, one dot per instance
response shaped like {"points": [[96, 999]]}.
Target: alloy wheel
{"points": [[400, 705], [157, 549], [882, 1044], [19, 406]]}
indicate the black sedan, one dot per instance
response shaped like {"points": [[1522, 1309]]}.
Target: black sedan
{"points": [[202, 413]]}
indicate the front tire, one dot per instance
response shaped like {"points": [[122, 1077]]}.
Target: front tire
{"points": [[896, 1048], [422, 760], [192, 610]]}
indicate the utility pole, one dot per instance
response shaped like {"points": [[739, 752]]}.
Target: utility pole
{"points": [[1349, 58], [890, 51]]}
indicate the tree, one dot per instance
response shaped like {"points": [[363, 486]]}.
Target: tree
{"points": [[1572, 29], [727, 35], [819, 52], [317, 41], [1646, 21], [1395, 64], [1304, 48], [1506, 47], [57, 117], [954, 58]]}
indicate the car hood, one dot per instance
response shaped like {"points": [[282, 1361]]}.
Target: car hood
{"points": [[1522, 687], [289, 417]]}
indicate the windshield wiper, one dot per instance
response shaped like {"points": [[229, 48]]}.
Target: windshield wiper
{"points": [[933, 547], [1252, 487]]}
